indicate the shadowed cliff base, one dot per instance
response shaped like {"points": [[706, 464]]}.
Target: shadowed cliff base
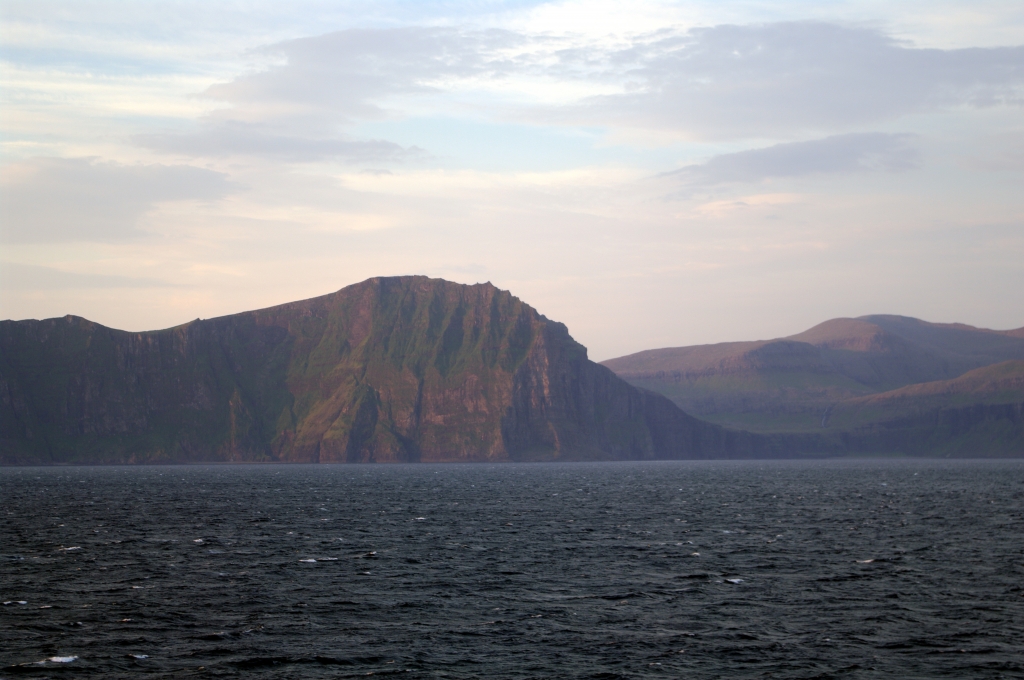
{"points": [[403, 369]]}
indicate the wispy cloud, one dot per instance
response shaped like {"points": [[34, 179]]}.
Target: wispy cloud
{"points": [[783, 79], [349, 75], [726, 82], [855, 152]]}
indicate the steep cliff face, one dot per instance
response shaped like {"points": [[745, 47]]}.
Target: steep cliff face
{"points": [[389, 370]]}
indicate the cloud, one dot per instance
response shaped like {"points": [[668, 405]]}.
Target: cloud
{"points": [[47, 200], [857, 152], [722, 82], [230, 138], [294, 111], [351, 73], [783, 79]]}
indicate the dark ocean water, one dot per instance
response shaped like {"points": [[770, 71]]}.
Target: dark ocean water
{"points": [[859, 569]]}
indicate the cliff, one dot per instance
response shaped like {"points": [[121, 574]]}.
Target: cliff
{"points": [[398, 369]]}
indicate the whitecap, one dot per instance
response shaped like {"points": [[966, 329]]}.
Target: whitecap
{"points": [[864, 561], [72, 548], [140, 656], [62, 659], [309, 560], [734, 580], [328, 559]]}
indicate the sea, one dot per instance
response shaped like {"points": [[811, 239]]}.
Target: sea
{"points": [[876, 568]]}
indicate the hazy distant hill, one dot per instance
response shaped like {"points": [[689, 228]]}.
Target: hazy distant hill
{"points": [[1001, 383], [980, 413], [790, 383], [886, 352], [391, 369]]}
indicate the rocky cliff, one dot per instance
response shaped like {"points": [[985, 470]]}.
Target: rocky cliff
{"points": [[398, 369]]}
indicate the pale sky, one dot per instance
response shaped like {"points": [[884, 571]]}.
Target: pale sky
{"points": [[651, 174]]}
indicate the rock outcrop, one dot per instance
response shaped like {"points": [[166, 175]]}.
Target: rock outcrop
{"points": [[400, 369]]}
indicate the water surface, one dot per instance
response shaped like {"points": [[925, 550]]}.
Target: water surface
{"points": [[858, 569]]}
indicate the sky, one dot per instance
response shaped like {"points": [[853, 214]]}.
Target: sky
{"points": [[651, 174]]}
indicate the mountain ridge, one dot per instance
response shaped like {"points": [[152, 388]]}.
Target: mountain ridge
{"points": [[392, 369], [834, 375], [879, 332], [412, 369]]}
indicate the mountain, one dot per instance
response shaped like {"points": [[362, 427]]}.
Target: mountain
{"points": [[789, 384], [886, 352], [397, 369]]}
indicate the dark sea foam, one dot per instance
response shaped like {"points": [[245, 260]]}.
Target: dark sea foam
{"points": [[861, 569]]}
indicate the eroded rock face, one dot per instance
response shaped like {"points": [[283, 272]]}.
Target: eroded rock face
{"points": [[398, 369]]}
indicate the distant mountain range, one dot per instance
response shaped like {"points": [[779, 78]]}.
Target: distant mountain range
{"points": [[855, 380], [412, 369]]}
